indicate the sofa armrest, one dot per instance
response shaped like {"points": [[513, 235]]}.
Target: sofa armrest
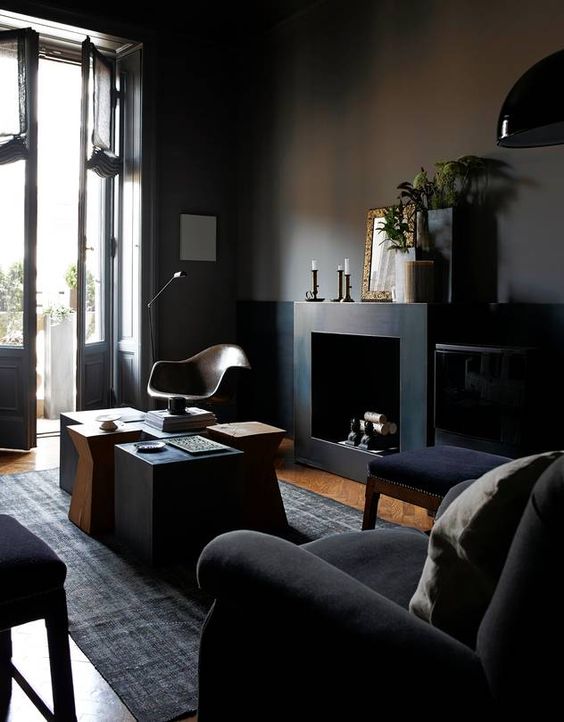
{"points": [[268, 578]]}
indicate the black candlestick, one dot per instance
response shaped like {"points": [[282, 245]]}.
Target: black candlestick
{"points": [[348, 298], [339, 285], [312, 295]]}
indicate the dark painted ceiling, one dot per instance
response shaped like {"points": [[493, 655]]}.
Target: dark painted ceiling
{"points": [[244, 16]]}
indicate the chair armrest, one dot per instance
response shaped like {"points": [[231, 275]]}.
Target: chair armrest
{"points": [[256, 571]]}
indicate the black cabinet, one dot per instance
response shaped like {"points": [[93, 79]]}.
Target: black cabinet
{"points": [[486, 397]]}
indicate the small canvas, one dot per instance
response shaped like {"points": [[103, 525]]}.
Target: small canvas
{"points": [[197, 237]]}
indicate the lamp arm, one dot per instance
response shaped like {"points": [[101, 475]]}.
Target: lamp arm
{"points": [[178, 274], [167, 284]]}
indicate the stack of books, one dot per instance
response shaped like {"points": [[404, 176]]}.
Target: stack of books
{"points": [[193, 419]]}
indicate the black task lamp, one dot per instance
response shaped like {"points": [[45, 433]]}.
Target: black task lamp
{"points": [[533, 112], [178, 274]]}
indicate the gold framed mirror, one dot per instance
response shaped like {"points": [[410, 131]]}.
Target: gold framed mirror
{"points": [[378, 275]]}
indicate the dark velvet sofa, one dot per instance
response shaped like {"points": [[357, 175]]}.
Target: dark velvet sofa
{"points": [[322, 631]]}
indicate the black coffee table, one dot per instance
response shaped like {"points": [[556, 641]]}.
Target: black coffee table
{"points": [[169, 504]]}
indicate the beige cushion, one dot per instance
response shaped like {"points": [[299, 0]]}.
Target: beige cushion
{"points": [[468, 547]]}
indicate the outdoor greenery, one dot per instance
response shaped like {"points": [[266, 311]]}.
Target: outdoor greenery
{"points": [[70, 276], [11, 287], [11, 304], [71, 281], [58, 313]]}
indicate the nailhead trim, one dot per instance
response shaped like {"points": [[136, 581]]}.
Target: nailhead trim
{"points": [[406, 486]]}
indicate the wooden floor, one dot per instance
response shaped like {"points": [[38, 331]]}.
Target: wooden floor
{"points": [[95, 700]]}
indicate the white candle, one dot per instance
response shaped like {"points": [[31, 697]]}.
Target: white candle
{"points": [[347, 267], [313, 264], [339, 267]]}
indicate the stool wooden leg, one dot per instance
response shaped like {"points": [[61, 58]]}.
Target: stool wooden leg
{"points": [[60, 663], [5, 671], [370, 505]]}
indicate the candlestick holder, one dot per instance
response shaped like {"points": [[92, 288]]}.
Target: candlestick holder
{"points": [[339, 285], [348, 286], [312, 295]]}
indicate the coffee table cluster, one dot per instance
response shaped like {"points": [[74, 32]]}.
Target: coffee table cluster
{"points": [[167, 505]]}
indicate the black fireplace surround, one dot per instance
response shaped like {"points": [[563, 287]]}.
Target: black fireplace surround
{"points": [[484, 376]]}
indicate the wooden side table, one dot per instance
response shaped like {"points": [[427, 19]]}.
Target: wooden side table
{"points": [[263, 508], [92, 502], [68, 457]]}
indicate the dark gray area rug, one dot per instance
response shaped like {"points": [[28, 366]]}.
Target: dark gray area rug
{"points": [[140, 626]]}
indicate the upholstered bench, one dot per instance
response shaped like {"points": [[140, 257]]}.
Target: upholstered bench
{"points": [[423, 476]]}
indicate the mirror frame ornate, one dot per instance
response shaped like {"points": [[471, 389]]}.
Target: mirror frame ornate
{"points": [[382, 295]]}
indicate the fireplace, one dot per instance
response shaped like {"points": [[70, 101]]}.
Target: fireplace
{"points": [[350, 375], [353, 358]]}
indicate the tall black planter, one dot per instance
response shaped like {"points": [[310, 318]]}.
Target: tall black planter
{"points": [[462, 242], [441, 234]]}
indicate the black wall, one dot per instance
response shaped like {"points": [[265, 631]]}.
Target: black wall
{"points": [[196, 174], [345, 101], [291, 136]]}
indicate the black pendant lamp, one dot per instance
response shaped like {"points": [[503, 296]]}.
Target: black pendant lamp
{"points": [[533, 112]]}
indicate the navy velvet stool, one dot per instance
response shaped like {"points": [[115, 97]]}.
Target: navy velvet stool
{"points": [[31, 587], [423, 476]]}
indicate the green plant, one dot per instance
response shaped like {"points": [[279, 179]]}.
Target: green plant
{"points": [[58, 313], [11, 287], [453, 183], [72, 282], [70, 276], [396, 227]]}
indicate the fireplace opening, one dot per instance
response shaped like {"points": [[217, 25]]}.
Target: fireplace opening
{"points": [[352, 375]]}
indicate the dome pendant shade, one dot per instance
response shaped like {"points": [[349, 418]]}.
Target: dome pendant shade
{"points": [[533, 112]]}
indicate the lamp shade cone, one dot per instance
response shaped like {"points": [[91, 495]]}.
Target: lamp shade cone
{"points": [[533, 112]]}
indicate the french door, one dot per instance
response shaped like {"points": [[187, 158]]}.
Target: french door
{"points": [[108, 243], [108, 358], [18, 214]]}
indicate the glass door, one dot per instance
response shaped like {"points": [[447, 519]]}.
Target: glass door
{"points": [[18, 212], [98, 167]]}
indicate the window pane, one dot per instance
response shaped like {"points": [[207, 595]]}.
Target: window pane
{"points": [[95, 222], [12, 189], [58, 166], [9, 89]]}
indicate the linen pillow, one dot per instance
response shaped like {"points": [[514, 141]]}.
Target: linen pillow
{"points": [[468, 546]]}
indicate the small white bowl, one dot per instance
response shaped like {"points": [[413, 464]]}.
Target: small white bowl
{"points": [[108, 421]]}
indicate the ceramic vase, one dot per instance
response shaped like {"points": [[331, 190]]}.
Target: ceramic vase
{"points": [[401, 258]]}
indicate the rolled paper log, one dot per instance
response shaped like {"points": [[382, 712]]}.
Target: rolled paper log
{"points": [[393, 428], [382, 429], [375, 416]]}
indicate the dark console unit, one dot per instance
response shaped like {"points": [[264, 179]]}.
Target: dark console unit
{"points": [[486, 398]]}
